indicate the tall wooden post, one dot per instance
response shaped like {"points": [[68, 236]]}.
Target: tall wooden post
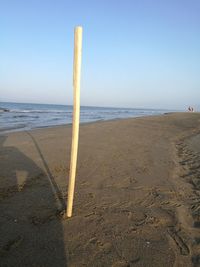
{"points": [[76, 116]]}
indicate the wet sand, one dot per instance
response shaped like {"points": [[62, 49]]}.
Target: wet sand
{"points": [[137, 198]]}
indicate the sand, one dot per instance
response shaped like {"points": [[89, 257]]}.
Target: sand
{"points": [[136, 200]]}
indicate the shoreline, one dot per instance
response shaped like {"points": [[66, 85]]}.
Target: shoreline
{"points": [[136, 197], [15, 130], [24, 116]]}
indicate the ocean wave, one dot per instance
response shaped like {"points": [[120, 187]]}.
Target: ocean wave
{"points": [[37, 111], [29, 116], [25, 116]]}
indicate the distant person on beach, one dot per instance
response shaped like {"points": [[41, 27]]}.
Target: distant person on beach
{"points": [[191, 109]]}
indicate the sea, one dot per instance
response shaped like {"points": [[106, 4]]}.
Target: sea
{"points": [[25, 116]]}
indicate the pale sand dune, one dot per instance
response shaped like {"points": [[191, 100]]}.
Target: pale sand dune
{"points": [[136, 202]]}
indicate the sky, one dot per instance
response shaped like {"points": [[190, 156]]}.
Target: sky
{"points": [[136, 53]]}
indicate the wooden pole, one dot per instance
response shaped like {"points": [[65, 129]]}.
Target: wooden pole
{"points": [[76, 116]]}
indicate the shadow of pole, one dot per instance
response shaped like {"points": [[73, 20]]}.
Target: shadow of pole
{"points": [[57, 193], [31, 232]]}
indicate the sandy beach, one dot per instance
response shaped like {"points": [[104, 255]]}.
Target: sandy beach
{"points": [[136, 198]]}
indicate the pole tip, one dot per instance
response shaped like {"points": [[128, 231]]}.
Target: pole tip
{"points": [[78, 28]]}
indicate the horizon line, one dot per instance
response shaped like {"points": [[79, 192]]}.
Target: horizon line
{"points": [[116, 107]]}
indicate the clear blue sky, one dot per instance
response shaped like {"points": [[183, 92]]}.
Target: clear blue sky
{"points": [[136, 53]]}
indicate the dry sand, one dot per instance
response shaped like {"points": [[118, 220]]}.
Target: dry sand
{"points": [[136, 201]]}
